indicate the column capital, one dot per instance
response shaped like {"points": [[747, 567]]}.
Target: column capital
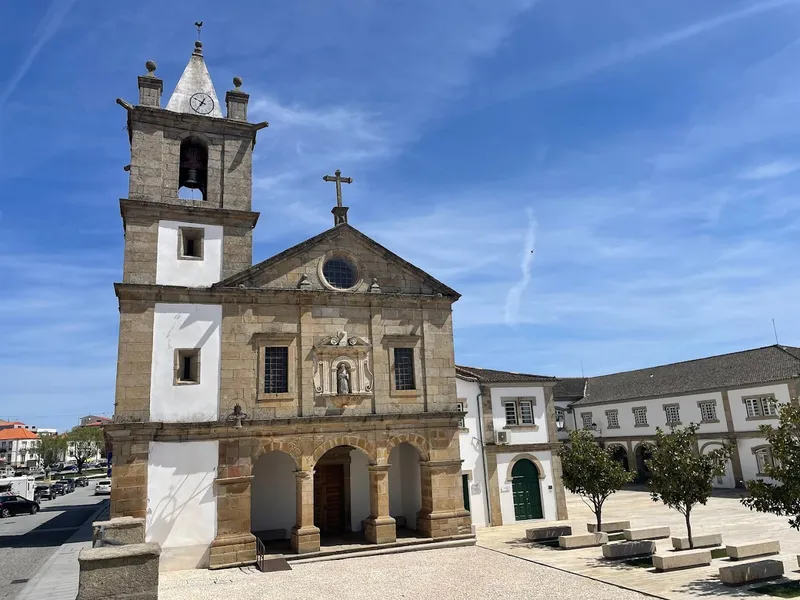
{"points": [[440, 464], [301, 475], [378, 468]]}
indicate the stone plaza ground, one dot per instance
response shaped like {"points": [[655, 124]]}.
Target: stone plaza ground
{"points": [[504, 565], [723, 514]]}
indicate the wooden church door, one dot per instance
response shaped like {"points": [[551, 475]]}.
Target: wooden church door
{"points": [[525, 486]]}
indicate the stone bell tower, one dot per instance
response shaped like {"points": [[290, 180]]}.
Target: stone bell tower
{"points": [[188, 218]]}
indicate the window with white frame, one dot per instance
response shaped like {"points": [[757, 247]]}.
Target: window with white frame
{"points": [[519, 411], [640, 416], [460, 408], [708, 410], [760, 406], [586, 420], [613, 419], [763, 460], [673, 414]]}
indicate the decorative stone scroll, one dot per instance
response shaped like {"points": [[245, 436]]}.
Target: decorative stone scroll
{"points": [[341, 369]]}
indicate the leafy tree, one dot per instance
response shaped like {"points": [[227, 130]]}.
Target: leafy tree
{"points": [[680, 476], [86, 441], [51, 450], [591, 471], [782, 498]]}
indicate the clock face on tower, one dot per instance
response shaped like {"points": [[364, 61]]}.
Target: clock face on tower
{"points": [[201, 103]]}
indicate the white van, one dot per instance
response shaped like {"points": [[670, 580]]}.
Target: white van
{"points": [[19, 486]]}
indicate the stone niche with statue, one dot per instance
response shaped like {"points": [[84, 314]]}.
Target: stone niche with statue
{"points": [[342, 376]]}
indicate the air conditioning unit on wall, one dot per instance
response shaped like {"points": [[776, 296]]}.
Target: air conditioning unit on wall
{"points": [[500, 437]]}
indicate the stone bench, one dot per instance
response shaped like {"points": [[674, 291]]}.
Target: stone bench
{"points": [[609, 527], [129, 571], [700, 541], [584, 540], [672, 561], [646, 533], [751, 571], [629, 549], [547, 532], [753, 550]]}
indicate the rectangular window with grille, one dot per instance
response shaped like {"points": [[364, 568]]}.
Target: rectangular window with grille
{"points": [[613, 419], [586, 420], [526, 412], [673, 414], [763, 460], [404, 369], [708, 411], [276, 369], [761, 406], [640, 416], [460, 408], [511, 412]]}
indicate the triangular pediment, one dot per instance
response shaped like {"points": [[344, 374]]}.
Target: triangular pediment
{"points": [[378, 270]]}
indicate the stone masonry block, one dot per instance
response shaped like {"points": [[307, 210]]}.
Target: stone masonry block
{"points": [[753, 550], [700, 541], [750, 572], [584, 540], [117, 572], [646, 533], [629, 549], [672, 561], [118, 532], [547, 532], [609, 526]]}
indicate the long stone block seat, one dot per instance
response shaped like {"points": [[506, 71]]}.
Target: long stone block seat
{"points": [[615, 550], [749, 572], [672, 561], [119, 572], [753, 550], [700, 541], [609, 526], [646, 533], [582, 540], [547, 532]]}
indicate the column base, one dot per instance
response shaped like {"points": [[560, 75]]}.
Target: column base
{"points": [[305, 539], [444, 523], [380, 530], [232, 551]]}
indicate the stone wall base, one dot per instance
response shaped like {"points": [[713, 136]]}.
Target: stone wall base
{"points": [[232, 551], [129, 572], [380, 530], [444, 524]]}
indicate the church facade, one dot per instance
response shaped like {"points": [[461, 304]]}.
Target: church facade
{"points": [[303, 398]]}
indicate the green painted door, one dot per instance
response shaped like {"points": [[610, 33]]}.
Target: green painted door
{"points": [[525, 485], [465, 486]]}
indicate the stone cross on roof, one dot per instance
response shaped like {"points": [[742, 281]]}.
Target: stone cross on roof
{"points": [[337, 177]]}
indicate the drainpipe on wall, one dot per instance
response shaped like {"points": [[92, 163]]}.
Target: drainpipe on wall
{"points": [[479, 398]]}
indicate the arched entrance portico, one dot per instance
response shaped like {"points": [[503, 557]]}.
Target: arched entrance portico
{"points": [[642, 453], [405, 489], [341, 492], [620, 454], [273, 497], [525, 487]]}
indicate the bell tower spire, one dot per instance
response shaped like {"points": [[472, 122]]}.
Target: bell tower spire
{"points": [[195, 93]]}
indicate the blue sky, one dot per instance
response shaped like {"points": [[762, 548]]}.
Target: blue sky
{"points": [[647, 151]]}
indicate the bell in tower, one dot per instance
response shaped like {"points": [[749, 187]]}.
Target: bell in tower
{"points": [[193, 172]]}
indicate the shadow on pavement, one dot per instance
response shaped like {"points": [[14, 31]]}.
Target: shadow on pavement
{"points": [[57, 530]]}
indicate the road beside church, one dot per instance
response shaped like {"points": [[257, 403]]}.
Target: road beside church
{"points": [[27, 541]]}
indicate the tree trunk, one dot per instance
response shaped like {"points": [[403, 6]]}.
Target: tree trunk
{"points": [[598, 513], [689, 529]]}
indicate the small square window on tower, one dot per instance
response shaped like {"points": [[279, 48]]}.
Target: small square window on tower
{"points": [[190, 243], [187, 366]]}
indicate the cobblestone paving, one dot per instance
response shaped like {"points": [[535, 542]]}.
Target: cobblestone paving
{"points": [[443, 574], [723, 514]]}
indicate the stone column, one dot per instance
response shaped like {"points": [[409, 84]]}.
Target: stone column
{"points": [[443, 513], [129, 484], [305, 536], [493, 493], [736, 461], [379, 527], [234, 545]]}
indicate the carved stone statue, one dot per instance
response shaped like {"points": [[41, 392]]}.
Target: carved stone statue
{"points": [[342, 380]]}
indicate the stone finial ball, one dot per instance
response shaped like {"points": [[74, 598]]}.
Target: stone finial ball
{"points": [[198, 44], [151, 66], [237, 81]]}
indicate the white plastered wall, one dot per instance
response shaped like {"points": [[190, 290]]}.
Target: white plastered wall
{"points": [[727, 480], [181, 504], [359, 489], [545, 485], [273, 494], [185, 326], [470, 447], [748, 459], [405, 484], [191, 272], [739, 411], [536, 434]]}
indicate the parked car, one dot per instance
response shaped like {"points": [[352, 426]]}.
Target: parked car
{"points": [[69, 485], [13, 505], [81, 481], [59, 488], [45, 491], [70, 469], [103, 486]]}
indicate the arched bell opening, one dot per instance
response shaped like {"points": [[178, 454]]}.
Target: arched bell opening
{"points": [[193, 170]]}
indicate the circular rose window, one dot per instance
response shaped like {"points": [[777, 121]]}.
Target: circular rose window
{"points": [[340, 273]]}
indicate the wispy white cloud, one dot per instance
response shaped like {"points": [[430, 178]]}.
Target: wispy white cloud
{"points": [[770, 170], [48, 26], [514, 296]]}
